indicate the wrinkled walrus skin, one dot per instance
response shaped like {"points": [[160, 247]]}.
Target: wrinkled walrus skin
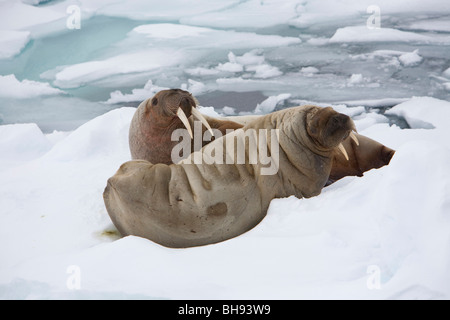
{"points": [[368, 154], [186, 204]]}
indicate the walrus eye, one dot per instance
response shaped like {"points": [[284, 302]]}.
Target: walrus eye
{"points": [[154, 101]]}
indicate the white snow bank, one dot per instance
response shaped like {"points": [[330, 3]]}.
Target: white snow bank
{"points": [[20, 143], [390, 228], [12, 42], [10, 87], [364, 34]]}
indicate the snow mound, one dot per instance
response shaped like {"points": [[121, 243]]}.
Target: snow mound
{"points": [[390, 228], [21, 143]]}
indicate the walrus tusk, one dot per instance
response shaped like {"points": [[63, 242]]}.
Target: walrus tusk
{"points": [[184, 119], [200, 117], [342, 149], [354, 138]]}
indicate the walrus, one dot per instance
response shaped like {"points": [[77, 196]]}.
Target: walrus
{"points": [[361, 155], [156, 118], [193, 204]]}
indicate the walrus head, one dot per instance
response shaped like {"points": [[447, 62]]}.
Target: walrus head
{"points": [[168, 107], [328, 129]]}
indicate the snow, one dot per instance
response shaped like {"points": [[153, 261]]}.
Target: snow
{"points": [[12, 42], [364, 34], [53, 218], [64, 127], [10, 87]]}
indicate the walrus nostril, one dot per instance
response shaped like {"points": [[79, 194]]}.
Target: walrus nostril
{"points": [[340, 119]]}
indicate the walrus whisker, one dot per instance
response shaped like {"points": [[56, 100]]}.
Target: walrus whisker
{"points": [[200, 117], [354, 138], [184, 119], [342, 149]]}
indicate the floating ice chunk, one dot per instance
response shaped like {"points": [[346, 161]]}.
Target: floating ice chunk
{"points": [[364, 34], [270, 103], [170, 31], [446, 73], [79, 74], [309, 70], [12, 42], [318, 41], [355, 79], [264, 71], [209, 111], [229, 111], [374, 103], [10, 87], [230, 67], [194, 87], [200, 71], [410, 59], [200, 37], [250, 58], [417, 113], [148, 91]]}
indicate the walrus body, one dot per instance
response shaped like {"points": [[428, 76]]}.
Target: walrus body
{"points": [[190, 204], [150, 136]]}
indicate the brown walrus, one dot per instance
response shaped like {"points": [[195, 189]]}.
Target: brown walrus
{"points": [[158, 117], [155, 119], [189, 204]]}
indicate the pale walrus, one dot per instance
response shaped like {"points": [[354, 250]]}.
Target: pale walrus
{"points": [[187, 204], [150, 135]]}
